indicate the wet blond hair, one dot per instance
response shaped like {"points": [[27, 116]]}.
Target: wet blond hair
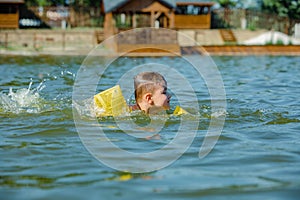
{"points": [[147, 82]]}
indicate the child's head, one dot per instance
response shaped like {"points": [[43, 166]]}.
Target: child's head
{"points": [[151, 91]]}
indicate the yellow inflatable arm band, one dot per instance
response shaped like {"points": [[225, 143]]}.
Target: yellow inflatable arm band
{"points": [[179, 111], [111, 102]]}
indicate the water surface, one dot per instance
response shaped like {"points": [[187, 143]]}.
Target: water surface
{"points": [[257, 155]]}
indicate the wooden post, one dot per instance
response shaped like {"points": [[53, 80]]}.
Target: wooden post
{"points": [[109, 30], [134, 20], [165, 18], [172, 19], [108, 25], [152, 19]]}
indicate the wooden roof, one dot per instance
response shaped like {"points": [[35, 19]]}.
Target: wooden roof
{"points": [[195, 2], [112, 5], [11, 1]]}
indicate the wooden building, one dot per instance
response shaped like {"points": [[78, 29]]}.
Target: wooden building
{"points": [[9, 13], [171, 14], [174, 14], [193, 14]]}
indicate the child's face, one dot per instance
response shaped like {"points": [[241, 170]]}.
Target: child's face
{"points": [[161, 98]]}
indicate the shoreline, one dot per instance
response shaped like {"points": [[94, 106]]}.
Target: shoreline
{"points": [[255, 50], [80, 42], [212, 50]]}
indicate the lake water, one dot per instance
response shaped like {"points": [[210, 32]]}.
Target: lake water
{"points": [[256, 156]]}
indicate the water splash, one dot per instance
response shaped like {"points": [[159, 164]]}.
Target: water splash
{"points": [[86, 108], [26, 100], [29, 100]]}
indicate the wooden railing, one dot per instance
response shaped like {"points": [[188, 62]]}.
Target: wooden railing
{"points": [[192, 21], [9, 20]]}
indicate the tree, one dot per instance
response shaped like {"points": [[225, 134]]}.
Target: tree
{"points": [[284, 8], [85, 3], [44, 2], [226, 3]]}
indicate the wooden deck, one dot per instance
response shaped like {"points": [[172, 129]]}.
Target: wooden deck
{"points": [[150, 49], [276, 50]]}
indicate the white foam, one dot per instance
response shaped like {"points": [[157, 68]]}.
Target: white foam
{"points": [[272, 37], [22, 100]]}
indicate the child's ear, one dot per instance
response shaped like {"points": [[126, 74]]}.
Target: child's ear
{"points": [[148, 97]]}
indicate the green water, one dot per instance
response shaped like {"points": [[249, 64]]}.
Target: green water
{"points": [[257, 155]]}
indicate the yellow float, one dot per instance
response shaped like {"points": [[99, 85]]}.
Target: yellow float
{"points": [[113, 103]]}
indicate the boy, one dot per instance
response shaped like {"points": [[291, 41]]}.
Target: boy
{"points": [[151, 92]]}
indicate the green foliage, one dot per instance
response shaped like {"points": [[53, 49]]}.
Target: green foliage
{"points": [[252, 26], [85, 3], [284, 8], [226, 3], [278, 42], [44, 2]]}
